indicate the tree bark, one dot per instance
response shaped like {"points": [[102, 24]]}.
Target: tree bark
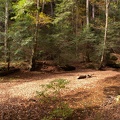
{"points": [[34, 50], [43, 4], [93, 11], [51, 6], [87, 13], [6, 50], [76, 29], [87, 27], [105, 34]]}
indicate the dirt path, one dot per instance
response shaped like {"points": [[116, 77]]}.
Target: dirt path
{"points": [[25, 85]]}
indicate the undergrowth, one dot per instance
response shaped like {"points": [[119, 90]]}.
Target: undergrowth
{"points": [[51, 97]]}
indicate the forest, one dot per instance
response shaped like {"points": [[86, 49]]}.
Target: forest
{"points": [[59, 59]]}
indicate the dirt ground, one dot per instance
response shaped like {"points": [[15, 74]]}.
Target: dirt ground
{"points": [[91, 98]]}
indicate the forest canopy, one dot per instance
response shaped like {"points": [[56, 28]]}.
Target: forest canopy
{"points": [[60, 30]]}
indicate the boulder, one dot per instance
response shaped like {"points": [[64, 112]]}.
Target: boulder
{"points": [[114, 60]]}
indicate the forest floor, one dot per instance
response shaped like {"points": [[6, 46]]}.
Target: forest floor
{"points": [[92, 98]]}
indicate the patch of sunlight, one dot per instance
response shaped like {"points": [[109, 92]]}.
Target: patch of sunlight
{"points": [[117, 98]]}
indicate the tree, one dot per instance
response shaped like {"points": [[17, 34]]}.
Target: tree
{"points": [[4, 30], [2, 14], [87, 13], [107, 2], [60, 30], [64, 31], [30, 15], [114, 26], [6, 47], [34, 50]]}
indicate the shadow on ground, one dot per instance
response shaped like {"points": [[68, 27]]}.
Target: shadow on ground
{"points": [[108, 110], [32, 109], [37, 75], [19, 109], [112, 87]]}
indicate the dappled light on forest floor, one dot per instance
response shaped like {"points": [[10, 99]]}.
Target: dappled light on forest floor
{"points": [[90, 98]]}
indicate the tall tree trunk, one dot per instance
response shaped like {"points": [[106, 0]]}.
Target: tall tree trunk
{"points": [[87, 27], [72, 19], [7, 55], [105, 34], [87, 13], [51, 6], [76, 28], [43, 5], [93, 11], [34, 50]]}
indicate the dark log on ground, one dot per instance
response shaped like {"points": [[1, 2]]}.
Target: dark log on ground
{"points": [[67, 68], [84, 76], [10, 71]]}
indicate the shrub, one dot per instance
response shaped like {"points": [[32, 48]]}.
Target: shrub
{"points": [[51, 96]]}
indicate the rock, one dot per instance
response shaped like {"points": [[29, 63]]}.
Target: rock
{"points": [[114, 60]]}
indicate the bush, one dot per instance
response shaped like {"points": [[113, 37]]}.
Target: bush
{"points": [[51, 96], [91, 66]]}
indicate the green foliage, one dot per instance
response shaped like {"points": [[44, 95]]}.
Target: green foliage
{"points": [[2, 11], [53, 89], [50, 94], [21, 8], [87, 35], [114, 35], [23, 29], [91, 66], [87, 42], [63, 31], [62, 112], [62, 36], [22, 37]]}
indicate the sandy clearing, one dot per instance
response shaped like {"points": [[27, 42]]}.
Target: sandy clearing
{"points": [[26, 90]]}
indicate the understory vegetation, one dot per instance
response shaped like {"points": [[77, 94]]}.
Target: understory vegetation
{"points": [[63, 31]]}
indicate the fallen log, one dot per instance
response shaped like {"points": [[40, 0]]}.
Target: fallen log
{"points": [[84, 76]]}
